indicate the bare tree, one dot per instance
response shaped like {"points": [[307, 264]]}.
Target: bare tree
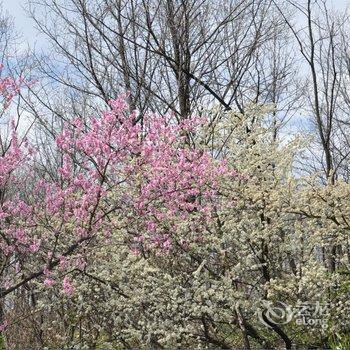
{"points": [[168, 56]]}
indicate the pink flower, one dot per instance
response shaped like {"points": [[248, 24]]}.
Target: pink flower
{"points": [[63, 262], [34, 247], [48, 282], [67, 286], [135, 251], [4, 325], [167, 244]]}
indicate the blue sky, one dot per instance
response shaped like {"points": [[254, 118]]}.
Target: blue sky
{"points": [[26, 26], [23, 23]]}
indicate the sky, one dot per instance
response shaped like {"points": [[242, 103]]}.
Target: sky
{"points": [[24, 25], [27, 28]]}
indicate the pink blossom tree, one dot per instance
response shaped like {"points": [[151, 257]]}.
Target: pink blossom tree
{"points": [[115, 174]]}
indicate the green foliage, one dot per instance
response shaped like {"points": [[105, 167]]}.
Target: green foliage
{"points": [[2, 344]]}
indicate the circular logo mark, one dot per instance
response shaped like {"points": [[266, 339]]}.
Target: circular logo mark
{"points": [[274, 313]]}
